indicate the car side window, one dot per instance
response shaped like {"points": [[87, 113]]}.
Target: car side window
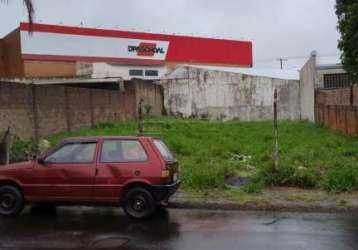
{"points": [[73, 153], [116, 151]]}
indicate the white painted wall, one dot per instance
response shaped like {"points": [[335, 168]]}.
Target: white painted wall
{"points": [[191, 91], [307, 88], [105, 70]]}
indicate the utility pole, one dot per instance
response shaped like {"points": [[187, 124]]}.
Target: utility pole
{"points": [[275, 134], [281, 61], [140, 118]]}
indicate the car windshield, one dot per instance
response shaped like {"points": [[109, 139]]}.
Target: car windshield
{"points": [[164, 150]]}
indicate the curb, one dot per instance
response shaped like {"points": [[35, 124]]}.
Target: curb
{"points": [[262, 208]]}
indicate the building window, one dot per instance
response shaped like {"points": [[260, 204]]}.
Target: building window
{"points": [[136, 72], [151, 73], [332, 81]]}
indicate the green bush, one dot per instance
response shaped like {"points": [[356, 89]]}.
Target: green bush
{"points": [[289, 175], [22, 150], [341, 178]]}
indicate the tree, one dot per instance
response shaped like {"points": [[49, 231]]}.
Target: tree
{"points": [[29, 7], [30, 10], [347, 12]]}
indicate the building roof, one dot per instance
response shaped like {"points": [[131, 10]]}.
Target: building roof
{"points": [[61, 80], [271, 73], [329, 66]]}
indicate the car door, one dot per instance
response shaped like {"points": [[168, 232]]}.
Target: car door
{"points": [[120, 161], [67, 174]]}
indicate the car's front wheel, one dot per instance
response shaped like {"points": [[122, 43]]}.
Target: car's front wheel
{"points": [[11, 201], [139, 203]]}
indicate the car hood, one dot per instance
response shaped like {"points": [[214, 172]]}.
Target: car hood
{"points": [[17, 166]]}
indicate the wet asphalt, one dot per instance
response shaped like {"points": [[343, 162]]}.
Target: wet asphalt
{"points": [[108, 228]]}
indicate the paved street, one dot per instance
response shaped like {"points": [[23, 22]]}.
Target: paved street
{"points": [[108, 228]]}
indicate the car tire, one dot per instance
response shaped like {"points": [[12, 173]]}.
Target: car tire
{"points": [[11, 201], [139, 204]]}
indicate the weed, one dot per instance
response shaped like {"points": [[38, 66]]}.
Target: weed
{"points": [[253, 188], [209, 151]]}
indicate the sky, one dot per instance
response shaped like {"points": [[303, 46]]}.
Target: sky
{"points": [[288, 29]]}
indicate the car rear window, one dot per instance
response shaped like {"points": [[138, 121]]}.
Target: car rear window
{"points": [[164, 150], [123, 151]]}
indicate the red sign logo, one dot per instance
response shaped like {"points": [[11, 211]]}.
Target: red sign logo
{"points": [[146, 49]]}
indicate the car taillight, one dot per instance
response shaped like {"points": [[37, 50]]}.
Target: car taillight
{"points": [[165, 173]]}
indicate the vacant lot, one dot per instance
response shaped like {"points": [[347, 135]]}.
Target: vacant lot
{"points": [[210, 151]]}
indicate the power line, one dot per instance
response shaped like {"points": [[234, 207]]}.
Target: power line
{"points": [[295, 57], [281, 61]]}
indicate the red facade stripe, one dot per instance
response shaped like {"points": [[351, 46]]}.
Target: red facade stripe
{"points": [[183, 49], [91, 59]]}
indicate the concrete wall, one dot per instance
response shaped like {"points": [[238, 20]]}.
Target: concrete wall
{"points": [[307, 88], [223, 95], [39, 111], [152, 95]]}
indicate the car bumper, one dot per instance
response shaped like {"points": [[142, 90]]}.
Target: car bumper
{"points": [[162, 193]]}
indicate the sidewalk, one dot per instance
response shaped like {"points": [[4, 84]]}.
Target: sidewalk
{"points": [[273, 199]]}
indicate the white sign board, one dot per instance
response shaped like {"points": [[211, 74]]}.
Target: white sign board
{"points": [[91, 47]]}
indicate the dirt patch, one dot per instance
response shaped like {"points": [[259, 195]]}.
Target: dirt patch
{"points": [[272, 199]]}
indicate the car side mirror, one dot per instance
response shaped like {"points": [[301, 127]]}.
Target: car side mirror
{"points": [[41, 161]]}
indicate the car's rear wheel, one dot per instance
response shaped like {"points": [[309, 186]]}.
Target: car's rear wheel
{"points": [[139, 203], [11, 201]]}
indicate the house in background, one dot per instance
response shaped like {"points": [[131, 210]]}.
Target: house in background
{"points": [[332, 76]]}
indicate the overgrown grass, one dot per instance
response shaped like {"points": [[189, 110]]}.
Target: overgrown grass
{"points": [[208, 151]]}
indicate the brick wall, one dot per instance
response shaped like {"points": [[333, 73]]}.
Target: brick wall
{"points": [[39, 111], [355, 95], [334, 97], [16, 109], [338, 110]]}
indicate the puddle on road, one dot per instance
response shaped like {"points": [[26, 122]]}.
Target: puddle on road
{"points": [[109, 243], [237, 181]]}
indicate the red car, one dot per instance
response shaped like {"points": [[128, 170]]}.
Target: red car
{"points": [[139, 173]]}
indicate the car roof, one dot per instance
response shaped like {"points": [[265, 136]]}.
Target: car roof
{"points": [[97, 138]]}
